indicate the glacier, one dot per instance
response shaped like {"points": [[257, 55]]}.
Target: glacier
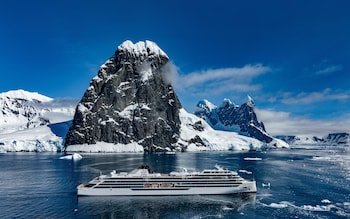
{"points": [[30, 121]]}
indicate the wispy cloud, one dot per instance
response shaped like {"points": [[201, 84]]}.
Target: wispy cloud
{"points": [[283, 123], [329, 69], [218, 81], [312, 97], [326, 68]]}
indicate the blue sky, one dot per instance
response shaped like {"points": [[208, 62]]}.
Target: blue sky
{"points": [[292, 57]]}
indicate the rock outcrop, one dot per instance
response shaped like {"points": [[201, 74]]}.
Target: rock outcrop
{"points": [[231, 117], [129, 101]]}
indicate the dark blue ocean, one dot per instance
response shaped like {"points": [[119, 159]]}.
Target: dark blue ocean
{"points": [[304, 182]]}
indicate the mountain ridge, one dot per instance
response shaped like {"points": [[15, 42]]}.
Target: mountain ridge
{"points": [[231, 117], [340, 138]]}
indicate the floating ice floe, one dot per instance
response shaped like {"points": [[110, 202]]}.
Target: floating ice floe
{"points": [[74, 156], [326, 201], [321, 158], [278, 205], [252, 158], [245, 171], [266, 185], [315, 208]]}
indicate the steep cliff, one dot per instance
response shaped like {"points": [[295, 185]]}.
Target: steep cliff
{"points": [[129, 102]]}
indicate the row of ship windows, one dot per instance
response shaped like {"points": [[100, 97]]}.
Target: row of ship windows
{"points": [[179, 176], [174, 180], [152, 186], [177, 183]]}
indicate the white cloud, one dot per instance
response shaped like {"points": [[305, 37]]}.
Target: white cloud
{"points": [[307, 98], [218, 81], [283, 123], [329, 69], [170, 73]]}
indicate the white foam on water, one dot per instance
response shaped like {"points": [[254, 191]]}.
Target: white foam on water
{"points": [[252, 158], [316, 208], [326, 201], [246, 172], [321, 158], [225, 208], [266, 185], [278, 205]]}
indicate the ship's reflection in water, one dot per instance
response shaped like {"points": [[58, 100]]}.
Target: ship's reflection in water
{"points": [[221, 206]]}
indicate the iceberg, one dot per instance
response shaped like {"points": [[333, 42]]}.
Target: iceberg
{"points": [[74, 156], [252, 158]]}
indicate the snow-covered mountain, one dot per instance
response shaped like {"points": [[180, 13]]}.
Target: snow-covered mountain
{"points": [[197, 134], [33, 122], [129, 102], [231, 117], [21, 109], [342, 138], [131, 106]]}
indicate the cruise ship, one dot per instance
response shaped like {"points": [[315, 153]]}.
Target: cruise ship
{"points": [[143, 182]]}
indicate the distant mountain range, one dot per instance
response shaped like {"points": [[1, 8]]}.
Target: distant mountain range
{"points": [[342, 138]]}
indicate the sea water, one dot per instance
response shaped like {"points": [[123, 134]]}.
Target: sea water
{"points": [[303, 182]]}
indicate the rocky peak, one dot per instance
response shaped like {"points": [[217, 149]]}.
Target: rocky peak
{"points": [[141, 50], [142, 55], [230, 117], [129, 101], [250, 101], [341, 138]]}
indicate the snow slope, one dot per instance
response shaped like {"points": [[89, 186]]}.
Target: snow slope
{"points": [[142, 48], [216, 139], [36, 139], [33, 122]]}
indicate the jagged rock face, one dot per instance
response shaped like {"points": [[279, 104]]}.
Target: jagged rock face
{"points": [[129, 101], [231, 117], [338, 138]]}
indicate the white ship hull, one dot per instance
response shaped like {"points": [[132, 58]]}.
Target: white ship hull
{"points": [[246, 187], [208, 182]]}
